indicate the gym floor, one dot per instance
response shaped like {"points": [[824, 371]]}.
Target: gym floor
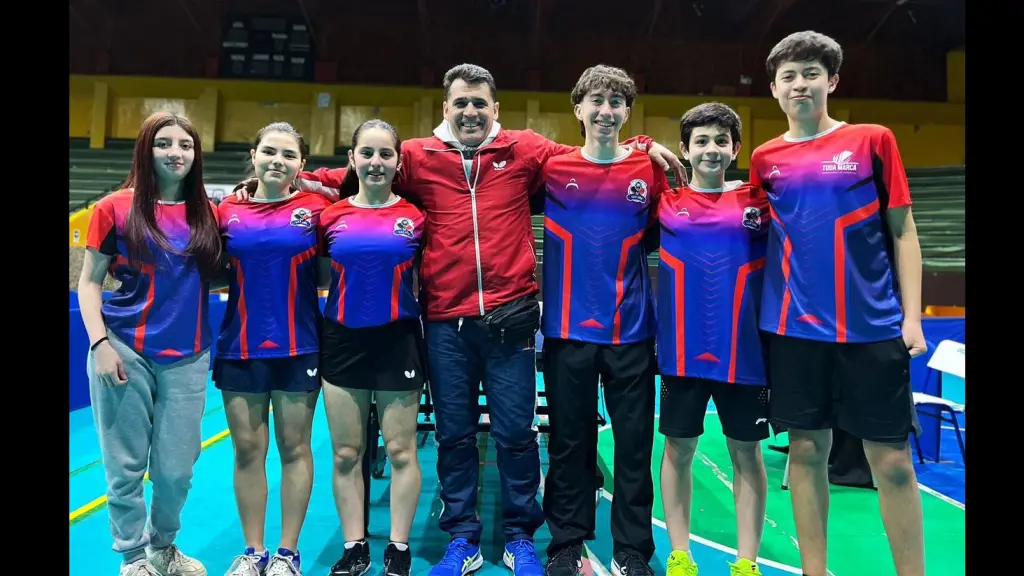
{"points": [[212, 533]]}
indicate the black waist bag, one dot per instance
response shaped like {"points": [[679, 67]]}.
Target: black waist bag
{"points": [[516, 321]]}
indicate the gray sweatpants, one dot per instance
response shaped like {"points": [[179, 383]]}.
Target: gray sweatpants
{"points": [[153, 421]]}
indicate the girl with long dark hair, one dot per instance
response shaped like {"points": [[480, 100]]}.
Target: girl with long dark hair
{"points": [[149, 343]]}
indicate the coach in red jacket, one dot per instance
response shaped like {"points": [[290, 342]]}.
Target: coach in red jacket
{"points": [[479, 288]]}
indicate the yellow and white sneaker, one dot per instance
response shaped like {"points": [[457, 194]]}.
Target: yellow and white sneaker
{"points": [[680, 564]]}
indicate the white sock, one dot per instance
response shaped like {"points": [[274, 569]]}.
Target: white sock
{"points": [[352, 544], [401, 546]]}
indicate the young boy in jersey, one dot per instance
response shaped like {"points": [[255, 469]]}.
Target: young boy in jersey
{"points": [[598, 325], [842, 298], [714, 235]]}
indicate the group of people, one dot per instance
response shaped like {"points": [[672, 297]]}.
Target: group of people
{"points": [[791, 299]]}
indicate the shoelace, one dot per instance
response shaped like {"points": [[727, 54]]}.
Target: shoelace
{"points": [[281, 566], [635, 565], [347, 559], [524, 553], [737, 570], [457, 552], [244, 565], [143, 569], [397, 563], [566, 558]]}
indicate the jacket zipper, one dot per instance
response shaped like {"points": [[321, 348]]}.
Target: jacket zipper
{"points": [[476, 224]]}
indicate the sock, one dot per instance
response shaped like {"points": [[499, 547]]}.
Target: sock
{"points": [[352, 544], [287, 552], [250, 551], [133, 557], [400, 546]]}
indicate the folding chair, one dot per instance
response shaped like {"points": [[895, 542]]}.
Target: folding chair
{"points": [[945, 411]]}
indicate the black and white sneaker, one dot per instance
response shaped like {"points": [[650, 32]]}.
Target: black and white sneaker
{"points": [[566, 562], [354, 562], [630, 564], [396, 562]]}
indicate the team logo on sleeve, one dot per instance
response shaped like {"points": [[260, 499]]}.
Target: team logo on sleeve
{"points": [[302, 218], [404, 227], [637, 191], [752, 218]]}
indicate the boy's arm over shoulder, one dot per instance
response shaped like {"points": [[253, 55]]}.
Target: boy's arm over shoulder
{"points": [[659, 191], [323, 181]]}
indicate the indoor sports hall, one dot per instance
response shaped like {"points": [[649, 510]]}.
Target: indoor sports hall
{"points": [[247, 63]]}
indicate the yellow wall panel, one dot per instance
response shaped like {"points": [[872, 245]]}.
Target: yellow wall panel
{"points": [[929, 133]]}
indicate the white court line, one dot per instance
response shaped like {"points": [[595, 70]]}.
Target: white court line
{"points": [[720, 547], [595, 564], [953, 428], [942, 497], [710, 544]]}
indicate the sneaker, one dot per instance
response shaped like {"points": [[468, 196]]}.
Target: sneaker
{"points": [[354, 562], [461, 558], [521, 557], [396, 562], [566, 562], [138, 568], [284, 563], [743, 567], [171, 562], [680, 564], [249, 563], [631, 564]]}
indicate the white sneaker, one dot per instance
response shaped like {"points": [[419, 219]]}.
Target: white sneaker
{"points": [[171, 562], [244, 565], [281, 565], [138, 568]]}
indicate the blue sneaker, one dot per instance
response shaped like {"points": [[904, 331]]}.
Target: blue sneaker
{"points": [[521, 557], [249, 563], [461, 558]]}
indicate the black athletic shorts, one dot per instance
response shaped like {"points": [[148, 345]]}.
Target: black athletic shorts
{"points": [[862, 388], [262, 376], [742, 408], [390, 357]]}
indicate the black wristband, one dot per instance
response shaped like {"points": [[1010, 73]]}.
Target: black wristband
{"points": [[97, 343]]}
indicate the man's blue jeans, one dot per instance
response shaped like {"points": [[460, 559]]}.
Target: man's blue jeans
{"points": [[461, 354]]}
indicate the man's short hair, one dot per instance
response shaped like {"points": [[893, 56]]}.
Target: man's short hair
{"points": [[804, 47], [710, 114], [472, 75], [602, 77]]}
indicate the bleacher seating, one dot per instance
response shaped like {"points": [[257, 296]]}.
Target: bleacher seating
{"points": [[939, 211], [939, 204], [93, 172]]}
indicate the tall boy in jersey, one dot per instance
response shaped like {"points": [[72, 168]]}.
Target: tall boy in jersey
{"points": [[842, 298], [598, 325], [714, 235]]}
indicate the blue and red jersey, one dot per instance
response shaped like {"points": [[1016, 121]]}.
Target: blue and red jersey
{"points": [[272, 247], [161, 307], [597, 288], [710, 272], [830, 274], [374, 252]]}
